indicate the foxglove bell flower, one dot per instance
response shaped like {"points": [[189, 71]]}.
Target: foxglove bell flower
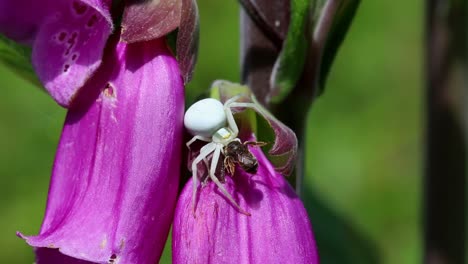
{"points": [[254, 216], [67, 39], [115, 176], [277, 231], [116, 172]]}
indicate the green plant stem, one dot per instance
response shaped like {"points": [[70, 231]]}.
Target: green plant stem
{"points": [[259, 46], [296, 117], [261, 23]]}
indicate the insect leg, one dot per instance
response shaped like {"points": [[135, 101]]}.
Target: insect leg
{"points": [[255, 143], [205, 151], [229, 165], [213, 177]]}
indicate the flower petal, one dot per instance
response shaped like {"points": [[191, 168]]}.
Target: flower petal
{"points": [[188, 38], [53, 256], [116, 173], [20, 19], [69, 45], [150, 19], [67, 37], [278, 230]]}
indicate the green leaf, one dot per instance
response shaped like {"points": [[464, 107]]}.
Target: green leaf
{"points": [[18, 58], [341, 22], [289, 66], [324, 27]]}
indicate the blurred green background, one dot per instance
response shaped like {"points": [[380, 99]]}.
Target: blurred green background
{"points": [[364, 136]]}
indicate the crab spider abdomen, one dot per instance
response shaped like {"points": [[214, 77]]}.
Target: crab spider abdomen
{"points": [[205, 117]]}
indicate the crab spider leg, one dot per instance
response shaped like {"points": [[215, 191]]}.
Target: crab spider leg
{"points": [[214, 163], [231, 122], [222, 150], [205, 151], [205, 159], [230, 118], [202, 138], [206, 163], [249, 105], [232, 100], [207, 169]]}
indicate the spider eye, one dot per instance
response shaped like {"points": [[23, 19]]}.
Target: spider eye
{"points": [[205, 117]]}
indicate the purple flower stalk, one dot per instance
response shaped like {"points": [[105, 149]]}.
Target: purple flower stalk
{"points": [[277, 231]]}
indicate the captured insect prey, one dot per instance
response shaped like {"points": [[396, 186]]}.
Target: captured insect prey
{"points": [[210, 121], [237, 153]]}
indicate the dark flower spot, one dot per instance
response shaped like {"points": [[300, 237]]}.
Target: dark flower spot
{"points": [[72, 39], [61, 36], [74, 56], [92, 21], [71, 42], [79, 7], [66, 67], [112, 258]]}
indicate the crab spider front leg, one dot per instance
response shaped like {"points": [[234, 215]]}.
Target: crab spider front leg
{"points": [[229, 116], [231, 122], [202, 138], [214, 163], [204, 152], [245, 105], [232, 100]]}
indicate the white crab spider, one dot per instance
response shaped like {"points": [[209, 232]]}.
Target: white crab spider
{"points": [[211, 121]]}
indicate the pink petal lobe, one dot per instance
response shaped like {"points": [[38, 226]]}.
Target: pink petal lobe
{"points": [[188, 38], [67, 39], [115, 178], [69, 44], [150, 19], [278, 230], [20, 19]]}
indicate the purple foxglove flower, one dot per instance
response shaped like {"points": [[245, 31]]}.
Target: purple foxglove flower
{"points": [[67, 39], [116, 173], [277, 231]]}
